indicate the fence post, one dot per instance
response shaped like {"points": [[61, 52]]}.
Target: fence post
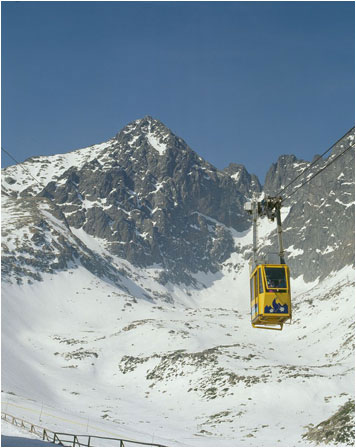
{"points": [[41, 412], [56, 438], [89, 439]]}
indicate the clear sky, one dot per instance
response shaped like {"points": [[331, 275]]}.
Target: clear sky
{"points": [[240, 82]]}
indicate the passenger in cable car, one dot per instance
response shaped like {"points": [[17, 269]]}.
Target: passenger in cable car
{"points": [[276, 278]]}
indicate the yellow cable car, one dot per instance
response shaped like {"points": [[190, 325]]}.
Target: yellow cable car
{"points": [[269, 283], [270, 296]]}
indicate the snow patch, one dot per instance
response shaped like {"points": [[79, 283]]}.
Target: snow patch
{"points": [[156, 144]]}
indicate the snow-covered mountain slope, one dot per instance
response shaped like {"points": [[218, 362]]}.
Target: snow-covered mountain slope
{"points": [[23, 177], [125, 297], [197, 375]]}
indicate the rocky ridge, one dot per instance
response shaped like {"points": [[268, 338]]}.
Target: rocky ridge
{"points": [[318, 231], [151, 200]]}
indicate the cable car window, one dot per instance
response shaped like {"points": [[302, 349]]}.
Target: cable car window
{"points": [[251, 289], [261, 281], [276, 278], [256, 284]]}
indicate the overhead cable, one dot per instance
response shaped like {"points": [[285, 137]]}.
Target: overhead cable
{"points": [[314, 162], [26, 171], [318, 172]]}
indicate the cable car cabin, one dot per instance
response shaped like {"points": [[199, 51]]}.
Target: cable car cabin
{"points": [[270, 296]]}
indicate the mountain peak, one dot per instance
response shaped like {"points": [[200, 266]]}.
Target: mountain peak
{"points": [[247, 182], [150, 119], [150, 131], [145, 125]]}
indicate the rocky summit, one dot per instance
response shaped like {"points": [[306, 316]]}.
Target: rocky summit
{"points": [[150, 198]]}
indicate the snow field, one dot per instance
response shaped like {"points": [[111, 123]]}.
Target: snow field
{"points": [[67, 306]]}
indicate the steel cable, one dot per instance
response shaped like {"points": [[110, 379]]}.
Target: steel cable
{"points": [[318, 172], [26, 171], [315, 161]]}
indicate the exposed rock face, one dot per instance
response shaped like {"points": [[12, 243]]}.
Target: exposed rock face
{"points": [[246, 182], [338, 429], [319, 229]]}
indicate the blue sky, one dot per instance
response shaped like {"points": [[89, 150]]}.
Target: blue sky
{"points": [[241, 82]]}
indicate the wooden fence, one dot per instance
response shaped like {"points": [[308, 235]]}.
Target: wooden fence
{"points": [[66, 439]]}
